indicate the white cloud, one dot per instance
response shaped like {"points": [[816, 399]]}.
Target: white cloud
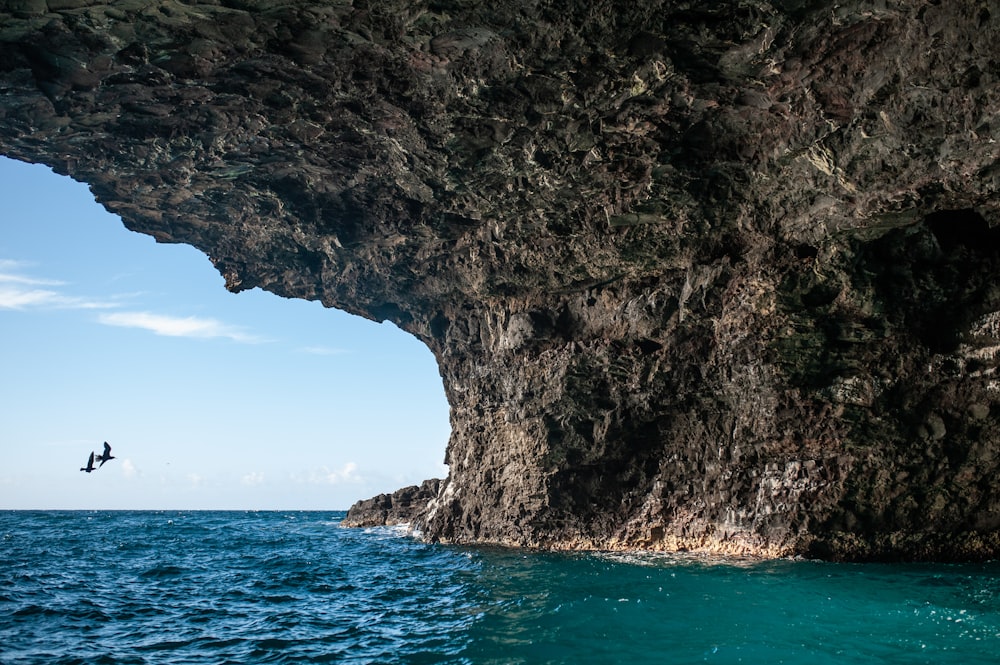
{"points": [[18, 291], [128, 469], [175, 326], [18, 298], [326, 476], [11, 264], [253, 478], [21, 279]]}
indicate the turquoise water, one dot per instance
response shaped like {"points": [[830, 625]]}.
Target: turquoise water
{"points": [[280, 587]]}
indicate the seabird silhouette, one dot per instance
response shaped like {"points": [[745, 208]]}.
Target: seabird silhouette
{"points": [[106, 455], [90, 464]]}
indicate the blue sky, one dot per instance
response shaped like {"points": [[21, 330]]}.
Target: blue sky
{"points": [[210, 400]]}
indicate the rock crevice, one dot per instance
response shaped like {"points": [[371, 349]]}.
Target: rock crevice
{"points": [[713, 278]]}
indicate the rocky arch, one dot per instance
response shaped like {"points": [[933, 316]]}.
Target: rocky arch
{"points": [[671, 259]]}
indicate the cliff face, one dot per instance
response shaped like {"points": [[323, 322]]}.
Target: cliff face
{"points": [[710, 276]]}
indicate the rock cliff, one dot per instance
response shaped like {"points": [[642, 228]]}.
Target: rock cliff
{"points": [[708, 276]]}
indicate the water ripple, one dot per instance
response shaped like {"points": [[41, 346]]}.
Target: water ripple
{"points": [[175, 588]]}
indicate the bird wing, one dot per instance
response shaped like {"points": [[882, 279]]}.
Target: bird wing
{"points": [[107, 449]]}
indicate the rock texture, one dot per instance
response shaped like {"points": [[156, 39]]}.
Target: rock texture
{"points": [[712, 276], [404, 506]]}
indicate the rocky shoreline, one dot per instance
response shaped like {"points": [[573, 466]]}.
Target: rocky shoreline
{"points": [[404, 506], [409, 507]]}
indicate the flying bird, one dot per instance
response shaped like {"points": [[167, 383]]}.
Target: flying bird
{"points": [[106, 455], [90, 464]]}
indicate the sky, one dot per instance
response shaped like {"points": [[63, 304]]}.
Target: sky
{"points": [[210, 400]]}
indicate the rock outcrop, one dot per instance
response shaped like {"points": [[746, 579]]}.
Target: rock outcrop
{"points": [[712, 276], [404, 506]]}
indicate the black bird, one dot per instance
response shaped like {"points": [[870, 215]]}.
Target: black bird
{"points": [[107, 454], [90, 464]]}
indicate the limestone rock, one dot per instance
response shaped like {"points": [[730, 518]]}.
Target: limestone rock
{"points": [[696, 274]]}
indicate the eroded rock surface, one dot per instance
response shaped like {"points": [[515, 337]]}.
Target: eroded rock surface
{"points": [[713, 276], [404, 506]]}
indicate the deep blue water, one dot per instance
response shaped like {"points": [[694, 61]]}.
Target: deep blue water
{"points": [[294, 587]]}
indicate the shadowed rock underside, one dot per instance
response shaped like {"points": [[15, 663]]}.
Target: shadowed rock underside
{"points": [[705, 276]]}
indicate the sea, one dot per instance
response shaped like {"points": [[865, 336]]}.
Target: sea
{"points": [[295, 587]]}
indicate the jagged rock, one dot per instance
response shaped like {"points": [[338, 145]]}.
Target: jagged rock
{"points": [[404, 506], [711, 276]]}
